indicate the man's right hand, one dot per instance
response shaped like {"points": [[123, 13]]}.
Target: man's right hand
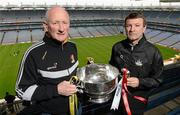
{"points": [[66, 89]]}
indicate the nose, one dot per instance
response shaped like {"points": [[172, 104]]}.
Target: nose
{"points": [[61, 27], [132, 28]]}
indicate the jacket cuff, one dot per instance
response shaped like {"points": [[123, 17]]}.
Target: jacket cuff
{"points": [[141, 82], [55, 91]]}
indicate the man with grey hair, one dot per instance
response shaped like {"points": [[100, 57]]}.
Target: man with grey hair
{"points": [[47, 67]]}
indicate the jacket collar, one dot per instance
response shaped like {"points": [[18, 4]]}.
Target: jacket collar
{"points": [[141, 41], [131, 47], [49, 40]]}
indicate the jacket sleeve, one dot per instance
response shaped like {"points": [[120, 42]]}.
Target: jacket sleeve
{"points": [[114, 58], [27, 87], [154, 79]]}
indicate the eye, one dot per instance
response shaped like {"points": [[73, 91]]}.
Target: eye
{"points": [[127, 26], [54, 23], [137, 25], [64, 22]]}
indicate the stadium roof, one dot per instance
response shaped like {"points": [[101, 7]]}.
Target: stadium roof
{"points": [[81, 2], [88, 4]]}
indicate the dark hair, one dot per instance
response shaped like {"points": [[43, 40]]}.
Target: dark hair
{"points": [[136, 15]]}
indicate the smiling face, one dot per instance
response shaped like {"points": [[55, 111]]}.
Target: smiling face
{"points": [[57, 23]]}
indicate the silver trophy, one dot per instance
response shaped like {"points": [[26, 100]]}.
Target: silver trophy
{"points": [[98, 81]]}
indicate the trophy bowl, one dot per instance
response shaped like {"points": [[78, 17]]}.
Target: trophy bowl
{"points": [[98, 81]]}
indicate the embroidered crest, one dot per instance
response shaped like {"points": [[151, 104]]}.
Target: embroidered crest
{"points": [[72, 58], [52, 67], [138, 63]]}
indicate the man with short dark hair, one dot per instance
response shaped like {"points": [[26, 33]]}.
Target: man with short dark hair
{"points": [[142, 59]]}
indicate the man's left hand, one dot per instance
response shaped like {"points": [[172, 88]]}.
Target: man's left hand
{"points": [[133, 82]]}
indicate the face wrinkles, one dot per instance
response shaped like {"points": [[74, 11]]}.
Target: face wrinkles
{"points": [[57, 24], [135, 29]]}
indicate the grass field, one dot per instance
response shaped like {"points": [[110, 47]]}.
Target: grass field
{"points": [[98, 48]]}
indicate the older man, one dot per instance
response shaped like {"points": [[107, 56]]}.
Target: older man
{"points": [[47, 66]]}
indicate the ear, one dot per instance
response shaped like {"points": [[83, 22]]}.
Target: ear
{"points": [[45, 26], [144, 28]]}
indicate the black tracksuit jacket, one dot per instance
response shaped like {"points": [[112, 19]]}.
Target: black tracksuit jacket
{"points": [[43, 66], [144, 61]]}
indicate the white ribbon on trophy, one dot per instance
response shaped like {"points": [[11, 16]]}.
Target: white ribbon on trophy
{"points": [[117, 96]]}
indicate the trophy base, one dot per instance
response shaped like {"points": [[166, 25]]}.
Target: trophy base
{"points": [[99, 99]]}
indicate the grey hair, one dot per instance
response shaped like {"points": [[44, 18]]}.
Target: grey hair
{"points": [[47, 12]]}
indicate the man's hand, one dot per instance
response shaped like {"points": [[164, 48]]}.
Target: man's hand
{"points": [[66, 89], [133, 82]]}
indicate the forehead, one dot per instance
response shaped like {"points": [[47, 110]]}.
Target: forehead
{"points": [[135, 20], [58, 14]]}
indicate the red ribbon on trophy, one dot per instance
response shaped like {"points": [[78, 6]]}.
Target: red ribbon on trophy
{"points": [[125, 91], [122, 90]]}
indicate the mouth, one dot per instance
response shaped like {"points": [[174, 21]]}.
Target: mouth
{"points": [[60, 33], [132, 34]]}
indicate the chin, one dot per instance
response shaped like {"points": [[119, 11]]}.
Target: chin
{"points": [[133, 38], [60, 39]]}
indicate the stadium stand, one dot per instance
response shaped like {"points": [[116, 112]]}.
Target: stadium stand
{"points": [[84, 32], [176, 46], [37, 35], [10, 37], [163, 26], [171, 40], [152, 34], [93, 31], [24, 36], [21, 15], [161, 36], [74, 33]]}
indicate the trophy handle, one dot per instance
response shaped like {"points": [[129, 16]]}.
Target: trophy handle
{"points": [[90, 60], [80, 87]]}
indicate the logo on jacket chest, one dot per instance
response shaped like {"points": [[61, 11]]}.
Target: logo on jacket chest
{"points": [[139, 63], [55, 64], [53, 67]]}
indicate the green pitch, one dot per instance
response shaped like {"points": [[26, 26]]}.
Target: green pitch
{"points": [[99, 48]]}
